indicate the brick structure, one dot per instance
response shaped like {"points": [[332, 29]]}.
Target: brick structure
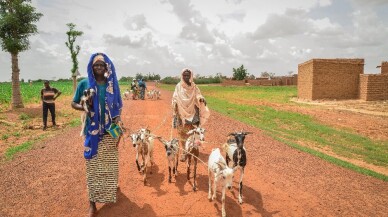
{"points": [[374, 87], [330, 78], [384, 68], [277, 81]]}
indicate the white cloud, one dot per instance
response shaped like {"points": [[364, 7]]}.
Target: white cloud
{"points": [[207, 36]]}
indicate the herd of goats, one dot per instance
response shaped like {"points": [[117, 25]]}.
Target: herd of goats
{"points": [[219, 169]]}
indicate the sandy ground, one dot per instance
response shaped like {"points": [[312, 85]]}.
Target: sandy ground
{"points": [[279, 181]]}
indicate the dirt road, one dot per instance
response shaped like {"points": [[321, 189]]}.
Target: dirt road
{"points": [[279, 181]]}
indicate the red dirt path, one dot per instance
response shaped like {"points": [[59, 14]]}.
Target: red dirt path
{"points": [[279, 181]]}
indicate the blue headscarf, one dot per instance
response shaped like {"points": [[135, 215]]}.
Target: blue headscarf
{"points": [[113, 105]]}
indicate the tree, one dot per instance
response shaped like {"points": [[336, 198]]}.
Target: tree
{"points": [[72, 35], [17, 18], [240, 73]]}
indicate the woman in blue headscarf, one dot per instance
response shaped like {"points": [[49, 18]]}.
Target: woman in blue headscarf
{"points": [[100, 147]]}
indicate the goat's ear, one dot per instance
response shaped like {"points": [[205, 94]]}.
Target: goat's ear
{"points": [[246, 133], [232, 134], [221, 165]]}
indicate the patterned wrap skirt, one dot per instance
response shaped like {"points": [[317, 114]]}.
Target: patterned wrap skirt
{"points": [[102, 171]]}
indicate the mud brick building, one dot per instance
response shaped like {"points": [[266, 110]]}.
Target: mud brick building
{"points": [[341, 79]]}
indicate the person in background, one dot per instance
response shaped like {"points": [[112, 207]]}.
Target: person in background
{"points": [[100, 148], [143, 87], [189, 107], [49, 95], [134, 88]]}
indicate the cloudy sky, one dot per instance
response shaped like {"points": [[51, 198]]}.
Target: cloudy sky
{"points": [[208, 36]]}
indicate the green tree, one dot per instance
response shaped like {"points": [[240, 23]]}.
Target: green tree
{"points": [[72, 35], [17, 18], [240, 73]]}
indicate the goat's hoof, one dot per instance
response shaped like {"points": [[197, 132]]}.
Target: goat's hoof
{"points": [[214, 197], [150, 172], [169, 180], [194, 188]]}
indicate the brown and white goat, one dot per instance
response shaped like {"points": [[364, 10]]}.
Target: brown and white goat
{"points": [[86, 102], [196, 137], [235, 150], [144, 144], [221, 173], [172, 156]]}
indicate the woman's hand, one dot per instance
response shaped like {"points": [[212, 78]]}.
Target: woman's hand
{"points": [[117, 120], [202, 100]]}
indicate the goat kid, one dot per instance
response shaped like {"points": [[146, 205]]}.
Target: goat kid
{"points": [[126, 94], [135, 137], [172, 156], [86, 102], [235, 150], [144, 144], [220, 172], [196, 137]]}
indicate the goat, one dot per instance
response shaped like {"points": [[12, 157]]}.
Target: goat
{"points": [[157, 94], [220, 171], [196, 136], [86, 102], [144, 144], [235, 150], [126, 94], [136, 143], [172, 155]]}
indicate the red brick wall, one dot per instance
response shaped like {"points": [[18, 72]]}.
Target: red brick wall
{"points": [[374, 87], [329, 78], [262, 82], [226, 82]]}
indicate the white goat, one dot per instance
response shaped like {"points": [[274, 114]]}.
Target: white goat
{"points": [[235, 150], [86, 102], [136, 143], [126, 94], [144, 144], [172, 156], [220, 171], [157, 94]]}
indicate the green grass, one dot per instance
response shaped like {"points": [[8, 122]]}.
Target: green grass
{"points": [[11, 151], [31, 93], [75, 122], [276, 94]]}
